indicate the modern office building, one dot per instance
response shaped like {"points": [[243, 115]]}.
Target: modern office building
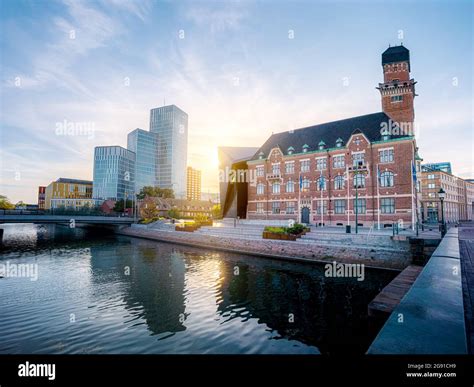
{"points": [[459, 200], [145, 146], [68, 193], [114, 173], [356, 170], [41, 197], [233, 191], [171, 125], [445, 167], [193, 186]]}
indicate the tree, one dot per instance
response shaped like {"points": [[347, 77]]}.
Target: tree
{"points": [[148, 208], [118, 207], [5, 204], [156, 192], [174, 213], [216, 211]]}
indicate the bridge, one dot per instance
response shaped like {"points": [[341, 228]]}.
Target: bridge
{"points": [[67, 219]]}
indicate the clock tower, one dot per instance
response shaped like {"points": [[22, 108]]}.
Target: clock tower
{"points": [[397, 90]]}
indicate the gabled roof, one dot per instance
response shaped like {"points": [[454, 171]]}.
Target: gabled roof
{"points": [[370, 125]]}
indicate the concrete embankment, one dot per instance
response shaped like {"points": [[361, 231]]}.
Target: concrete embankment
{"points": [[394, 256]]}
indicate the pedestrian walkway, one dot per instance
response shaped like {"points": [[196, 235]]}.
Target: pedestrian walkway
{"points": [[466, 247]]}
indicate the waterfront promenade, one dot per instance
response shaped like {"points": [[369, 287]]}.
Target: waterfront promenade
{"points": [[370, 248], [466, 246]]}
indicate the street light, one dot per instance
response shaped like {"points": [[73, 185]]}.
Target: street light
{"points": [[442, 196]]}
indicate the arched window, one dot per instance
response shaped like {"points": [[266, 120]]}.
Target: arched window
{"points": [[386, 179], [321, 184], [290, 186], [260, 189], [276, 187], [359, 181], [339, 182]]}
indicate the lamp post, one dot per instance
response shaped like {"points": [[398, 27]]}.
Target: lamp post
{"points": [[442, 196]]}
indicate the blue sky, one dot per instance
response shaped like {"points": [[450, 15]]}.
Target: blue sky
{"points": [[231, 66]]}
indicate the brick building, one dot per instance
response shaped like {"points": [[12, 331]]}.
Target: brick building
{"points": [[459, 201], [315, 174]]}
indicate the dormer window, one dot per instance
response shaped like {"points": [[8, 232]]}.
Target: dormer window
{"points": [[321, 145], [260, 155], [305, 148], [386, 135], [339, 142], [290, 150]]}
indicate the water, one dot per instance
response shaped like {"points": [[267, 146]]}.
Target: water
{"points": [[99, 293]]}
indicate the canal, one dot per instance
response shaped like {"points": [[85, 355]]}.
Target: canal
{"points": [[100, 293]]}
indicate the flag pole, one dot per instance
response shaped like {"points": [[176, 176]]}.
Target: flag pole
{"points": [[378, 198], [348, 200]]}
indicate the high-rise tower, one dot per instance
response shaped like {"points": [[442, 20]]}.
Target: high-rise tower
{"points": [[398, 90]]}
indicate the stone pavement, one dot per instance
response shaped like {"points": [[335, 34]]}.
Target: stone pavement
{"points": [[466, 246]]}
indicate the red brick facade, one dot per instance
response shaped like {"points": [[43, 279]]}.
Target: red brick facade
{"points": [[311, 197]]}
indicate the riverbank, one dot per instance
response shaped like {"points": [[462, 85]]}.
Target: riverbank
{"points": [[302, 251]]}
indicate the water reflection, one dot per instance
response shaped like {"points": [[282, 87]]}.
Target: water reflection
{"points": [[138, 296]]}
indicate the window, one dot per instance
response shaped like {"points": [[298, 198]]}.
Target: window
{"points": [[387, 205], [260, 189], [275, 207], [321, 207], [339, 182], [359, 181], [305, 184], [338, 161], [290, 186], [276, 187], [290, 207], [358, 159], [321, 164], [431, 177], [290, 167], [386, 155], [260, 171], [260, 209], [431, 195], [396, 98], [71, 188], [305, 164], [321, 184], [386, 179], [339, 206], [431, 185], [276, 169], [360, 206]]}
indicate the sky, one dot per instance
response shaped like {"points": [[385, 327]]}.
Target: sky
{"points": [[241, 70]]}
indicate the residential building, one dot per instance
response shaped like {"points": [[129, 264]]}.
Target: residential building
{"points": [[193, 186], [185, 208], [41, 197], [361, 167], [171, 125], [114, 173], [459, 200], [444, 166], [68, 193], [145, 146]]}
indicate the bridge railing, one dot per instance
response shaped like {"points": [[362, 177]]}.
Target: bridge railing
{"points": [[61, 212]]}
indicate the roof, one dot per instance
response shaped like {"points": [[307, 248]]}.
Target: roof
{"points": [[395, 54], [370, 125], [73, 181]]}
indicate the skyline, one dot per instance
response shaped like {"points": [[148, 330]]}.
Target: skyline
{"points": [[240, 70]]}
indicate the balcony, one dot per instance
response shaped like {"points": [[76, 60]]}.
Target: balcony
{"points": [[358, 166]]}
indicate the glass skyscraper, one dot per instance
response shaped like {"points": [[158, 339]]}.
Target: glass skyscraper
{"points": [[171, 125], [114, 173], [145, 146]]}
